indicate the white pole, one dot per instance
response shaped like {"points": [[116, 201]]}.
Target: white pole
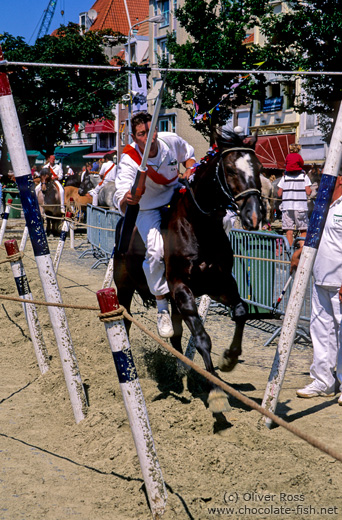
{"points": [[29, 308], [72, 236], [5, 219], [16, 148], [61, 242], [316, 225], [134, 403], [109, 276], [23, 239]]}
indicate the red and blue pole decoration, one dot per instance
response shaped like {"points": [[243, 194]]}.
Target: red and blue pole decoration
{"points": [[23, 177]]}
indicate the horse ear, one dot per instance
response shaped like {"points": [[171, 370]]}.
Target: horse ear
{"points": [[253, 140]]}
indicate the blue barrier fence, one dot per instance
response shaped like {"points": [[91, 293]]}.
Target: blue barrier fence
{"points": [[101, 224]]}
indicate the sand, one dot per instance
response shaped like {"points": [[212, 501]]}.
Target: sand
{"points": [[228, 466]]}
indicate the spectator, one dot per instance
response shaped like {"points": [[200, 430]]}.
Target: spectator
{"points": [[107, 174], [294, 188], [326, 314]]}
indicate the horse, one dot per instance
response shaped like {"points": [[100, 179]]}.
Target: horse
{"points": [[80, 194], [106, 195], [198, 253], [49, 201]]}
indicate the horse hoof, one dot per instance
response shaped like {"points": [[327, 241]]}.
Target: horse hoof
{"points": [[218, 401], [226, 363]]}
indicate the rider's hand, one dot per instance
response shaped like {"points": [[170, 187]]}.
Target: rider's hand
{"points": [[295, 259], [129, 199]]}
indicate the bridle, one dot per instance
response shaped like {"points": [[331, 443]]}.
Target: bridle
{"points": [[224, 187]]}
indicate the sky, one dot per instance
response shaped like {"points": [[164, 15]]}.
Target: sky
{"points": [[23, 17]]}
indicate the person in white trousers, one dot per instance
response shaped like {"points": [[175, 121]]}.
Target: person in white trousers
{"points": [[326, 314], [107, 174], [167, 151]]}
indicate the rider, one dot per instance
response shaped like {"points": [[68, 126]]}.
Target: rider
{"points": [[107, 174], [56, 171], [167, 150]]}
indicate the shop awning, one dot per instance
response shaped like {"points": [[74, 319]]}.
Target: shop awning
{"points": [[271, 150], [98, 155], [103, 126], [62, 152]]}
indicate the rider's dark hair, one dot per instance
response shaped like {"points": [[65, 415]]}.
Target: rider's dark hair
{"points": [[108, 157], [140, 118]]}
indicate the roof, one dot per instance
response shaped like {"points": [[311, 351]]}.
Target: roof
{"points": [[111, 14], [248, 39]]}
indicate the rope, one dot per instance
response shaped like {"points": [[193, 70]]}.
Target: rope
{"points": [[263, 259], [121, 312], [49, 304], [13, 258]]}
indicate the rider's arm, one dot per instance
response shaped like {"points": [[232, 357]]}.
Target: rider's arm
{"points": [[124, 180]]}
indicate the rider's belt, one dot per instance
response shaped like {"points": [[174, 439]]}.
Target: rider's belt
{"points": [[151, 172]]}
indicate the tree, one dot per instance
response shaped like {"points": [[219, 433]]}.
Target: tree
{"points": [[304, 35], [50, 100], [308, 36], [217, 30]]}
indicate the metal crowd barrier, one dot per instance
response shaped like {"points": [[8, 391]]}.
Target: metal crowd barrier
{"points": [[101, 224], [261, 269]]}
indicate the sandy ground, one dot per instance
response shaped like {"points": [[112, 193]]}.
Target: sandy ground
{"points": [[228, 466]]}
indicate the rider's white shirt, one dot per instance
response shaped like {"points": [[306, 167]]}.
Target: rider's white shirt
{"points": [[57, 168], [172, 150]]}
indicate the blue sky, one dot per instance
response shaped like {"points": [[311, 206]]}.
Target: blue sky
{"points": [[23, 17]]}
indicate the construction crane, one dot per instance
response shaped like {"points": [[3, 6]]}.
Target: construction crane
{"points": [[47, 19]]}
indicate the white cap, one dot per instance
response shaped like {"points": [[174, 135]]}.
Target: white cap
{"points": [[239, 130]]}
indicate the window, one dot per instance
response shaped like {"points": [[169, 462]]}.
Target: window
{"points": [[106, 141], [289, 90], [167, 123], [165, 11], [161, 50], [310, 121]]}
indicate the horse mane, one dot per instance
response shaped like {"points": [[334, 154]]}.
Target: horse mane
{"points": [[226, 139]]}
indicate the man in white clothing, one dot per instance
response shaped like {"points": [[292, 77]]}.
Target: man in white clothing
{"points": [[56, 171], [326, 314], [167, 151], [107, 174]]}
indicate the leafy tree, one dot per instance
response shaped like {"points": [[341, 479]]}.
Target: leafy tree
{"points": [[306, 35], [217, 30], [51, 100]]}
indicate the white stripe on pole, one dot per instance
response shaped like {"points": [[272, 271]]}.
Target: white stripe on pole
{"points": [[109, 276], [317, 221], [61, 242], [22, 172], [29, 308], [134, 403], [23, 239], [5, 219]]}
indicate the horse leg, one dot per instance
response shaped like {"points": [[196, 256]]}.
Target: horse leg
{"points": [[230, 357], [184, 299]]}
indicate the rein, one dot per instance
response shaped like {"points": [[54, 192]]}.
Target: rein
{"points": [[224, 187]]}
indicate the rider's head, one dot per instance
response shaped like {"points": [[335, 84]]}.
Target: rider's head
{"points": [[140, 118], [141, 123]]}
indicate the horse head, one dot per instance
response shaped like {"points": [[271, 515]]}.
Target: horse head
{"points": [[45, 178], [86, 185], [239, 170]]}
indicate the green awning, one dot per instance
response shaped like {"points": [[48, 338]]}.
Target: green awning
{"points": [[62, 152]]}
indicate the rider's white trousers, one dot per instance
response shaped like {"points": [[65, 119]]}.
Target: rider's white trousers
{"points": [[148, 224]]}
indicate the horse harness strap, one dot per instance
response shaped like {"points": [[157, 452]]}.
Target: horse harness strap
{"points": [[151, 172]]}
